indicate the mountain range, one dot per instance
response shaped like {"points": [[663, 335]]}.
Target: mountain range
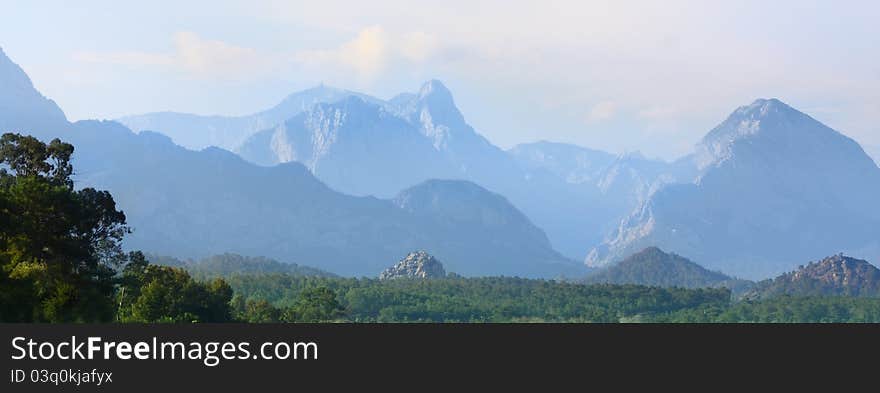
{"points": [[197, 132], [361, 145], [348, 182], [192, 204]]}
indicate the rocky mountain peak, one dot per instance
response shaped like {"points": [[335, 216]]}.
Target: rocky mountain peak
{"points": [[838, 270], [837, 275], [769, 130], [417, 264], [435, 91], [435, 110]]}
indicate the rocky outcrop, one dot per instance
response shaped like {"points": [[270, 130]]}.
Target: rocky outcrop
{"points": [[417, 264], [838, 275]]}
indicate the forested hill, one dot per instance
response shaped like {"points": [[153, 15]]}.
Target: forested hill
{"points": [[653, 267], [229, 264]]}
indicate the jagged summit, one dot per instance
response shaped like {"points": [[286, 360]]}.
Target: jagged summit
{"points": [[436, 90], [434, 108]]}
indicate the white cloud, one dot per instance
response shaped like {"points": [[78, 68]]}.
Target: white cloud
{"points": [[419, 46], [125, 58], [218, 58], [366, 54], [194, 55], [673, 67], [602, 111], [372, 52]]}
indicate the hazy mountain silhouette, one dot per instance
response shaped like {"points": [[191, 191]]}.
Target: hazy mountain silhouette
{"points": [[354, 146], [365, 147], [197, 132], [196, 203]]}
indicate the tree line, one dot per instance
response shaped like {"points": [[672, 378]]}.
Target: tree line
{"points": [[61, 260]]}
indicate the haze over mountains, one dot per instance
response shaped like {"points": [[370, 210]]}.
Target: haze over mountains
{"points": [[188, 203], [197, 132], [361, 145], [349, 183]]}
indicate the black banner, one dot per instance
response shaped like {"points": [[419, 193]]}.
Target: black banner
{"points": [[401, 356]]}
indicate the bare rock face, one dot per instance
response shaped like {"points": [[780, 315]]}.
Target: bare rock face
{"points": [[417, 264]]}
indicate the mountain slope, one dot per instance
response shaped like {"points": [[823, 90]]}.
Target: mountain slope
{"points": [[653, 267], [833, 276], [775, 187], [354, 146], [217, 202], [874, 152], [573, 163], [192, 204], [24, 107], [462, 208], [380, 148], [229, 132]]}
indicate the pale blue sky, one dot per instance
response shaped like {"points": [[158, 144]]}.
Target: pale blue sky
{"points": [[618, 75]]}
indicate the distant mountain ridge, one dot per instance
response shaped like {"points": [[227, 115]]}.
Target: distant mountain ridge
{"points": [[196, 203], [767, 188], [573, 163], [837, 275], [365, 147], [197, 132], [330, 138]]}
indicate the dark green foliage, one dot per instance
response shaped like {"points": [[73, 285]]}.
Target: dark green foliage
{"points": [[783, 309], [317, 304], [493, 299], [272, 298], [152, 293], [59, 247]]}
